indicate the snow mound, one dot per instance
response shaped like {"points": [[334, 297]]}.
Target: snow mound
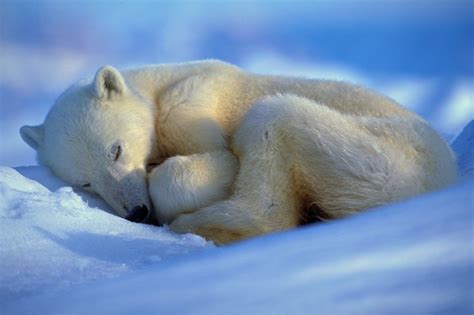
{"points": [[463, 146], [52, 239]]}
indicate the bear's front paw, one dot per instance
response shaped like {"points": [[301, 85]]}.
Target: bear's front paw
{"points": [[210, 230], [183, 184], [182, 224], [169, 189]]}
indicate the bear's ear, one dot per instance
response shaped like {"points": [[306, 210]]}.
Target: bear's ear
{"points": [[32, 135], [109, 82]]}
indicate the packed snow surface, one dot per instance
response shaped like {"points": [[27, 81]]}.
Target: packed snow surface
{"points": [[61, 253], [52, 239]]}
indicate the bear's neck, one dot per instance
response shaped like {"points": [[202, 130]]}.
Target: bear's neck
{"points": [[152, 80]]}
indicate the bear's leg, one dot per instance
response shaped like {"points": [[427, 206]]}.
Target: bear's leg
{"points": [[183, 184], [343, 163], [223, 222], [263, 199]]}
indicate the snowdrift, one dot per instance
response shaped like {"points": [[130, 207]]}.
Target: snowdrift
{"points": [[62, 254], [52, 239]]}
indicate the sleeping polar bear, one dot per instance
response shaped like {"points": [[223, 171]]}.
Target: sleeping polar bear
{"points": [[236, 154]]}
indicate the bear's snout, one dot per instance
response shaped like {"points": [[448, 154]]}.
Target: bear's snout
{"points": [[138, 214]]}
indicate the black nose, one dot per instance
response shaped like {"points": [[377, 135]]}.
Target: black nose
{"points": [[138, 214]]}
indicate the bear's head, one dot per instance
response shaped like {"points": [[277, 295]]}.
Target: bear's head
{"points": [[99, 135]]}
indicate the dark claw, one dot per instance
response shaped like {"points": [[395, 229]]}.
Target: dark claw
{"points": [[138, 214]]}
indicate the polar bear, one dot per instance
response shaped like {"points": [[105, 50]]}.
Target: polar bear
{"points": [[235, 154]]}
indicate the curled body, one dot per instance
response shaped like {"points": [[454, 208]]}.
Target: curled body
{"points": [[237, 154]]}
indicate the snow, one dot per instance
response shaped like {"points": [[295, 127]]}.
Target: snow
{"points": [[463, 146], [62, 254], [54, 238]]}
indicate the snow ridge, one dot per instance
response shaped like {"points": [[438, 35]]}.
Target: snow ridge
{"points": [[463, 145]]}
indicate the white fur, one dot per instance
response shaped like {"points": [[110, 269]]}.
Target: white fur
{"points": [[243, 154], [186, 183]]}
